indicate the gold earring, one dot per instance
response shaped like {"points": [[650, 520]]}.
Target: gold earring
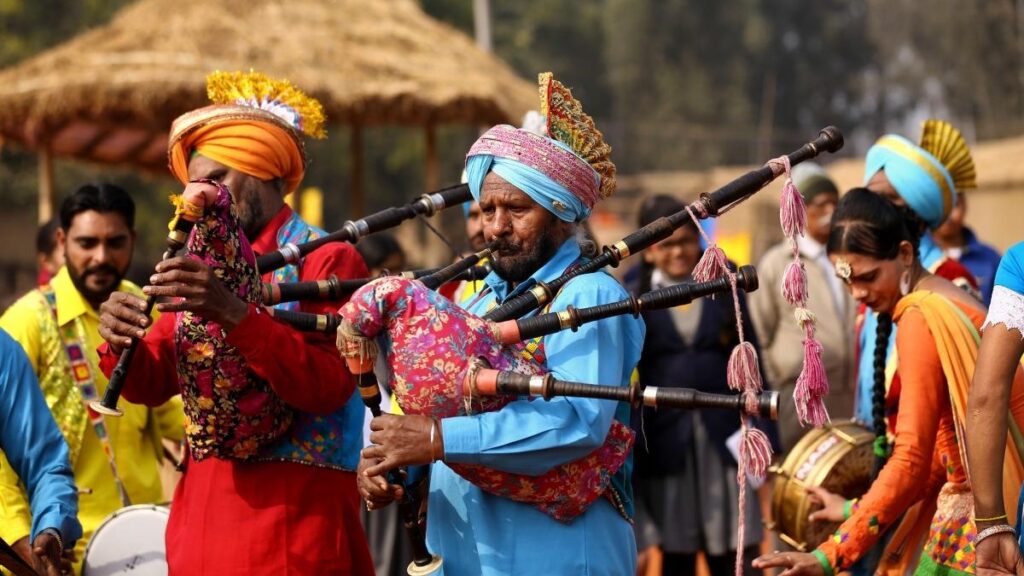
{"points": [[843, 269]]}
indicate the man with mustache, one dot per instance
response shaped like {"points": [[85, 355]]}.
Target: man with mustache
{"points": [[533, 191], [117, 459], [284, 501], [782, 338]]}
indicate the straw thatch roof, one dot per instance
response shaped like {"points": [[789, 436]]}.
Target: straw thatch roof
{"points": [[110, 95]]}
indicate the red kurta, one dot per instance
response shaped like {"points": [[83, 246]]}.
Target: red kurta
{"points": [[232, 517]]}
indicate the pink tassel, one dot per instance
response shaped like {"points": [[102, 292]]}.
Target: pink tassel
{"points": [[711, 265], [811, 411], [792, 212], [755, 454], [794, 284], [756, 451], [813, 374], [811, 386], [742, 372]]}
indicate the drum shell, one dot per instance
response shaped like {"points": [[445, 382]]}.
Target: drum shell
{"points": [[131, 540], [837, 457]]}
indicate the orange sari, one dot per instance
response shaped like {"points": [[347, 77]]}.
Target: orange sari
{"points": [[923, 491]]}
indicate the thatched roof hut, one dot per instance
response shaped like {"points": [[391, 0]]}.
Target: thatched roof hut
{"points": [[110, 95]]}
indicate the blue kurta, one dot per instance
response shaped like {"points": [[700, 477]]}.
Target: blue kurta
{"points": [[35, 447], [478, 533]]}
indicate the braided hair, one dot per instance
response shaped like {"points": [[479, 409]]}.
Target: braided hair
{"points": [[881, 447], [870, 225]]}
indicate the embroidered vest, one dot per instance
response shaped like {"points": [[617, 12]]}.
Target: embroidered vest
{"points": [[331, 440], [54, 373]]}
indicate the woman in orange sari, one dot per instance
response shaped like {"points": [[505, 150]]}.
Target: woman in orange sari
{"points": [[874, 252]]}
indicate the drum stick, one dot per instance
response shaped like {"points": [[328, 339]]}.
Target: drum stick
{"points": [[9, 559]]}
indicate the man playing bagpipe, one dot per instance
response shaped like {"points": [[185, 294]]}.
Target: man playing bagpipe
{"points": [[533, 191], [272, 425]]}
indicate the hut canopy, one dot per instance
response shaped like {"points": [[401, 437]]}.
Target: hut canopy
{"points": [[110, 95]]}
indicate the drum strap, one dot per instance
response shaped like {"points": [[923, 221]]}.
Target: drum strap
{"points": [[72, 336]]}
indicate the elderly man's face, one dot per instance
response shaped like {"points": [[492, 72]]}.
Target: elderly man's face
{"points": [[256, 201], [523, 234]]}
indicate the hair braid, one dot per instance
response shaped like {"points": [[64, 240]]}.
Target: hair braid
{"points": [[882, 333]]}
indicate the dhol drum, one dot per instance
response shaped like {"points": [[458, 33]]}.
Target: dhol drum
{"points": [[837, 457], [129, 541]]}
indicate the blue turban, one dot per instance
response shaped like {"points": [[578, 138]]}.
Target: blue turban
{"points": [[919, 178], [556, 198]]}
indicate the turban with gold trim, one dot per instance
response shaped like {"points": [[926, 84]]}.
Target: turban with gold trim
{"points": [[254, 127], [928, 175]]}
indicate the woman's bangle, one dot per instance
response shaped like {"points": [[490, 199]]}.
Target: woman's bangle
{"points": [[992, 531], [992, 519], [848, 508]]}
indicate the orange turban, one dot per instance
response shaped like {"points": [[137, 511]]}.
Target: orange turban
{"points": [[245, 139]]}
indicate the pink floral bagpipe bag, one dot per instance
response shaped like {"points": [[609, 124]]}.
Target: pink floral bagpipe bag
{"points": [[229, 411], [429, 344]]}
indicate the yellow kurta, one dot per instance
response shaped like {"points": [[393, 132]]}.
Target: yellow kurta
{"points": [[135, 437]]}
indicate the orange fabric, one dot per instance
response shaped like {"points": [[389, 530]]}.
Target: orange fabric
{"points": [[259, 149], [937, 353]]}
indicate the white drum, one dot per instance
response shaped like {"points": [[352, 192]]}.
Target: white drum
{"points": [[129, 541]]}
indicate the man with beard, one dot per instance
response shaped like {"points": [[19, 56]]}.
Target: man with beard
{"points": [[781, 338], [116, 459], [289, 505], [533, 193]]}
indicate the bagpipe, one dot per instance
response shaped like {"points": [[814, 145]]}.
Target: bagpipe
{"points": [[229, 411], [352, 231], [706, 206], [335, 289], [514, 331], [482, 381], [185, 217], [435, 351], [440, 358], [188, 212]]}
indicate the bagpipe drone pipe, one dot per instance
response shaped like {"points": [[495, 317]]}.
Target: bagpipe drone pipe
{"points": [[352, 231], [708, 205], [433, 348]]}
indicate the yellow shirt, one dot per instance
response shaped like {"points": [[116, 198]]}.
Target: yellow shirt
{"points": [[134, 436]]}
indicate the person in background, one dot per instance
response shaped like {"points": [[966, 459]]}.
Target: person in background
{"points": [[49, 252], [780, 335], [960, 243], [926, 178], [461, 292], [37, 452], [58, 326], [382, 253], [684, 474]]}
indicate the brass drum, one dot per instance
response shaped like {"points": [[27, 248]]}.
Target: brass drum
{"points": [[837, 457]]}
